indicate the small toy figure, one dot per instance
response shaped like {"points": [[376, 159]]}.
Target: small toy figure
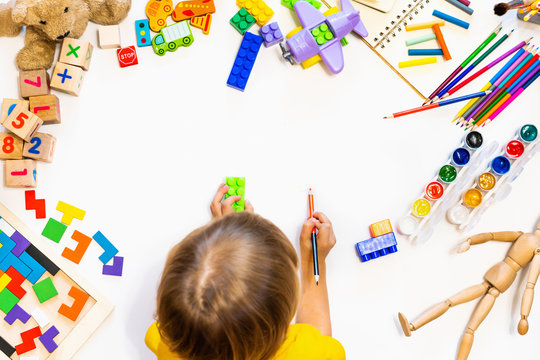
{"points": [[525, 250]]}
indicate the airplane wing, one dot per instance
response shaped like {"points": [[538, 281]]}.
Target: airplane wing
{"points": [[333, 57], [308, 14]]}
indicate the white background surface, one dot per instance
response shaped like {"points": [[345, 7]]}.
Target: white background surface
{"points": [[143, 150]]}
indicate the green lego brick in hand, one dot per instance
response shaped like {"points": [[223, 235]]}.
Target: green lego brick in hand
{"points": [[237, 186], [290, 3], [242, 21]]}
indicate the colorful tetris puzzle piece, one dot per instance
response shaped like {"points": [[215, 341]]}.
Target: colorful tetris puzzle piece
{"points": [[4, 281], [36, 270], [70, 212], [290, 3], [202, 22], [376, 247], [186, 10], [109, 251], [271, 34], [127, 56], [43, 260], [11, 147], [8, 300], [20, 173], [40, 147], [45, 290], [72, 312], [258, 8], [28, 342], [237, 186], [22, 122], [40, 317], [47, 339], [6, 348], [12, 261], [242, 21], [76, 254], [47, 107], [7, 245], [54, 230], [67, 78], [31, 203], [380, 228], [142, 32], [21, 243], [245, 59], [17, 313], [33, 83], [157, 12], [116, 268], [76, 52], [15, 285]]}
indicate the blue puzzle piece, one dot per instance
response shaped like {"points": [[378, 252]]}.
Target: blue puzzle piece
{"points": [[7, 245], [109, 251], [12, 260], [247, 54], [36, 269], [375, 247], [142, 31]]}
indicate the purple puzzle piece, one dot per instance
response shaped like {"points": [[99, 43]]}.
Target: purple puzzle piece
{"points": [[116, 268], [47, 339], [17, 312], [21, 243]]}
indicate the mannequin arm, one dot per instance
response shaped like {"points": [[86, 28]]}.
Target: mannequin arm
{"points": [[505, 236], [528, 294]]}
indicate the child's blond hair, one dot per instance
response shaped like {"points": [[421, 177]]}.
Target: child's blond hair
{"points": [[229, 291]]}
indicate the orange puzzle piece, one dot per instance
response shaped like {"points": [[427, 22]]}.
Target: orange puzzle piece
{"points": [[157, 12], [187, 9], [80, 298], [76, 254]]}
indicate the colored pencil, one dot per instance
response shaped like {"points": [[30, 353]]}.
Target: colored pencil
{"points": [[313, 239], [486, 68], [451, 19], [437, 104], [465, 63], [472, 66]]}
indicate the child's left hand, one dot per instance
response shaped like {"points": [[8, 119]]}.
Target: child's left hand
{"points": [[219, 208]]}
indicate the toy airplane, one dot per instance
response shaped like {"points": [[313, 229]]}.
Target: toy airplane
{"points": [[322, 35]]}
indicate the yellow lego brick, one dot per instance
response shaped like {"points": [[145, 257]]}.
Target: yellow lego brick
{"points": [[70, 212], [380, 228], [258, 9], [4, 281]]}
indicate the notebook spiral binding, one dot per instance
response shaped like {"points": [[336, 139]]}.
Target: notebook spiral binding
{"points": [[398, 24]]}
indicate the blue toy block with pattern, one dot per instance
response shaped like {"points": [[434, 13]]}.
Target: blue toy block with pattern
{"points": [[7, 245], [12, 260], [142, 31], [36, 270], [376, 247], [247, 54], [109, 251]]}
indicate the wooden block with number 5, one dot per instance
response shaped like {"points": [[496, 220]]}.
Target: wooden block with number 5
{"points": [[20, 173], [11, 147], [8, 105], [40, 147], [34, 83], [47, 107], [22, 123]]}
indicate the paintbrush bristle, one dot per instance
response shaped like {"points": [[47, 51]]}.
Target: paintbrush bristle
{"points": [[501, 9]]}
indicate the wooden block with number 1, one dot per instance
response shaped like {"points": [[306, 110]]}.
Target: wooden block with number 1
{"points": [[8, 105], [33, 83], [11, 147], [67, 78], [22, 123], [40, 147], [47, 107], [76, 52], [20, 173]]}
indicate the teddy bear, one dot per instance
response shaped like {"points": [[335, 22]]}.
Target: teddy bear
{"points": [[50, 21]]}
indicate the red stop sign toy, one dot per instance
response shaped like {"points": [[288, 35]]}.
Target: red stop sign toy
{"points": [[127, 56]]}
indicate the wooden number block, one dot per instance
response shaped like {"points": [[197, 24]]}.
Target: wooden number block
{"points": [[34, 83], [20, 173], [10, 147], [40, 147], [8, 105], [22, 123], [76, 52], [109, 37], [47, 107], [67, 78]]}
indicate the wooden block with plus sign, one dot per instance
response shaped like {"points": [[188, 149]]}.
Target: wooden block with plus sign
{"points": [[34, 83], [47, 107], [11, 146], [40, 147], [8, 105], [67, 78], [20, 173], [22, 123], [76, 52]]}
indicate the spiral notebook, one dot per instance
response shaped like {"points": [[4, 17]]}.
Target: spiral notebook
{"points": [[387, 37]]}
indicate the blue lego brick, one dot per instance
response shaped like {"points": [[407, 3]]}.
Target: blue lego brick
{"points": [[36, 269], [109, 251], [7, 245], [142, 31], [12, 260], [271, 34], [247, 54], [376, 247]]}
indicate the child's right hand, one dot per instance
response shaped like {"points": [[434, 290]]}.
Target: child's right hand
{"points": [[219, 208], [326, 239]]}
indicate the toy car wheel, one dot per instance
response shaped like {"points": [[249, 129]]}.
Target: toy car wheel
{"points": [[161, 51], [186, 41], [172, 46], [166, 8]]}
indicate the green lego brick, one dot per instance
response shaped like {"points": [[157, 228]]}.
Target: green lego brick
{"points": [[237, 186], [322, 34], [54, 230], [7, 301], [290, 3], [242, 21], [344, 42], [45, 290]]}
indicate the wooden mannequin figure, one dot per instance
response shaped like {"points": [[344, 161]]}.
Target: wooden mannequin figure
{"points": [[525, 249]]}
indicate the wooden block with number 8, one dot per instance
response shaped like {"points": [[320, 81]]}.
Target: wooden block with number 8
{"points": [[40, 147], [76, 52], [47, 107], [22, 123], [33, 83], [20, 173], [8, 105], [11, 147]]}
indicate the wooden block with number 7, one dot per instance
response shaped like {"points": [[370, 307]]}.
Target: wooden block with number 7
{"points": [[11, 147], [34, 83], [40, 147], [20, 173], [22, 123]]}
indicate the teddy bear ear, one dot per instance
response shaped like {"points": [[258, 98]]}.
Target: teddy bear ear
{"points": [[20, 11]]}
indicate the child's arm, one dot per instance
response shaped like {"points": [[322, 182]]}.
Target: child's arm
{"points": [[314, 308], [219, 208]]}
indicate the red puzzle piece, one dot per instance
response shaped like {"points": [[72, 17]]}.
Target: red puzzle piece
{"points": [[15, 284], [28, 338], [35, 204]]}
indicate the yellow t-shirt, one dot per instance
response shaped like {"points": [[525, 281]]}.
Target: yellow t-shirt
{"points": [[303, 342]]}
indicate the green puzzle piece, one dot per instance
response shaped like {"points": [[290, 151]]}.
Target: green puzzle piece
{"points": [[54, 230], [45, 290], [237, 186], [7, 301]]}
